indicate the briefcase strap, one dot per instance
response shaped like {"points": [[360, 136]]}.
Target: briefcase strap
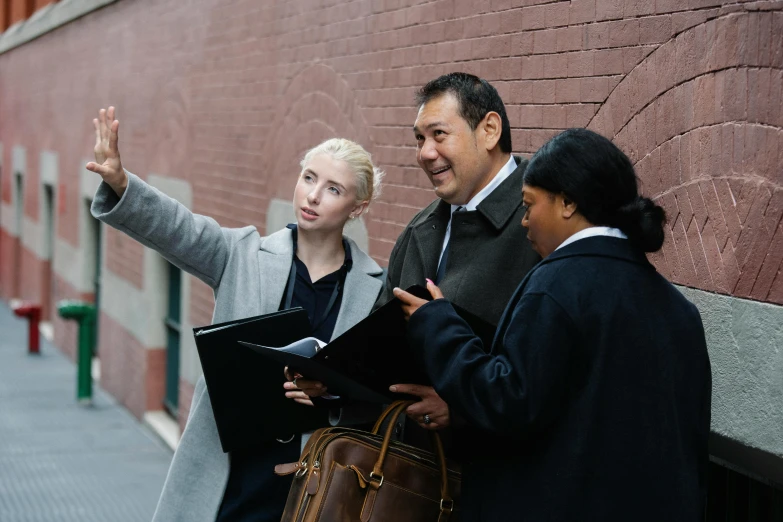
{"points": [[376, 476], [389, 409]]}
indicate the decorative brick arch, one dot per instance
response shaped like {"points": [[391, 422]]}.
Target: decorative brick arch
{"points": [[316, 105], [701, 119]]}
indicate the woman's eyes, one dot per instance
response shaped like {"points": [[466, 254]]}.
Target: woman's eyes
{"points": [[310, 179]]}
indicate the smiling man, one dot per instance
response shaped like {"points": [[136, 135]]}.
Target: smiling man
{"points": [[470, 240]]}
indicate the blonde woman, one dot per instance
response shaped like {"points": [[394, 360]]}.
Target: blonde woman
{"points": [[333, 280]]}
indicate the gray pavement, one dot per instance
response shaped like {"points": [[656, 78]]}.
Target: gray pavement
{"points": [[63, 462]]}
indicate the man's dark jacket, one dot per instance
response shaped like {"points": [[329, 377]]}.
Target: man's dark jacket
{"points": [[489, 253], [594, 397]]}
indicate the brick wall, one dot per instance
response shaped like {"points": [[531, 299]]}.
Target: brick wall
{"points": [[231, 94], [228, 95], [19, 10]]}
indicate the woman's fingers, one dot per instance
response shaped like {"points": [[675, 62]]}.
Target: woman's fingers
{"points": [[114, 138], [307, 387], [97, 126], [98, 169], [435, 292], [102, 125], [299, 397]]}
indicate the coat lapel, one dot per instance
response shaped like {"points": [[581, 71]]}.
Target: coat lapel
{"points": [[497, 207], [274, 264], [362, 286], [428, 239], [362, 283]]}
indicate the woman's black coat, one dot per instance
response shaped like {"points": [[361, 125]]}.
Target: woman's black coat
{"points": [[594, 400]]}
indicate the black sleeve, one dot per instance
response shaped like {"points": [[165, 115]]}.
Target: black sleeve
{"points": [[521, 383]]}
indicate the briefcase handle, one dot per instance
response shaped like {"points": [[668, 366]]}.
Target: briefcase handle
{"points": [[376, 476]]}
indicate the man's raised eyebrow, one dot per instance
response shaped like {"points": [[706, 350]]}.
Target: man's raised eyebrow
{"points": [[430, 125]]}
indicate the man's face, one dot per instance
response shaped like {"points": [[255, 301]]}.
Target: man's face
{"points": [[449, 151]]}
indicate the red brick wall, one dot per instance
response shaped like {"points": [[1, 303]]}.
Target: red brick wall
{"points": [[20, 9], [43, 3], [131, 373], [8, 249], [4, 14], [66, 331], [227, 96], [185, 398], [31, 277]]}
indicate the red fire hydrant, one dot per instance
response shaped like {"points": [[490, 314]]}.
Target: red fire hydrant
{"points": [[33, 314]]}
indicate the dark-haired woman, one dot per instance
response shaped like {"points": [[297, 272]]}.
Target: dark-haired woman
{"points": [[595, 395]]}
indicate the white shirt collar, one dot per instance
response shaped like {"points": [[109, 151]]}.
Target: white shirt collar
{"points": [[500, 177], [592, 232]]}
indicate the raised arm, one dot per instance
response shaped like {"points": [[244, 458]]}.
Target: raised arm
{"points": [[107, 153], [195, 243]]}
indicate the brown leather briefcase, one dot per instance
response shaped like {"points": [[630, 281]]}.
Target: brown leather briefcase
{"points": [[347, 475]]}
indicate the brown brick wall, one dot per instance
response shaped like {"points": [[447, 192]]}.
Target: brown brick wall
{"points": [[66, 331], [43, 3], [185, 398], [8, 253], [228, 95], [131, 373], [4, 14]]}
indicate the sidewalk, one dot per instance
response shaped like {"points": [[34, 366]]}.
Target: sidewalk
{"points": [[64, 462]]}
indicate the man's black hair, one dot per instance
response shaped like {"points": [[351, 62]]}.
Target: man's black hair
{"points": [[476, 98]]}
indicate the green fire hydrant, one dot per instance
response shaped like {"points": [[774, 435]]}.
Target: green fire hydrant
{"points": [[84, 314]]}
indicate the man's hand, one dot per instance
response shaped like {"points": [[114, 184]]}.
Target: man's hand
{"points": [[107, 154], [300, 390], [411, 303], [431, 405]]}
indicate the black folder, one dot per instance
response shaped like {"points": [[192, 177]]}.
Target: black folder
{"points": [[364, 361], [245, 388]]}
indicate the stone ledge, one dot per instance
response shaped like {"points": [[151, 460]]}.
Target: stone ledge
{"points": [[164, 427], [47, 19]]}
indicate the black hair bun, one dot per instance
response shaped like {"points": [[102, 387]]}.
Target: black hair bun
{"points": [[642, 221]]}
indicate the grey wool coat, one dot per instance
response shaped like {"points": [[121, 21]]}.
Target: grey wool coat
{"points": [[248, 274]]}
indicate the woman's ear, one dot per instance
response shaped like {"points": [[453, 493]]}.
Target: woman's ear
{"points": [[359, 209], [568, 206]]}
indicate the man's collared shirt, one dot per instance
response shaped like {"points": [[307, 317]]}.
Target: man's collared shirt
{"points": [[500, 177]]}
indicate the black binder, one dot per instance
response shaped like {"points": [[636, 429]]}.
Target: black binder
{"points": [[245, 388], [364, 361]]}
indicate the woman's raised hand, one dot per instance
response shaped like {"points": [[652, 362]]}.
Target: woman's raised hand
{"points": [[107, 155]]}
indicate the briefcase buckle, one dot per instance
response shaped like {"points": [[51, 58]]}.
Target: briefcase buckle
{"points": [[446, 506], [376, 477]]}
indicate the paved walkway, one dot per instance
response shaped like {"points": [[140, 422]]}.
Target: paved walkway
{"points": [[63, 462]]}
